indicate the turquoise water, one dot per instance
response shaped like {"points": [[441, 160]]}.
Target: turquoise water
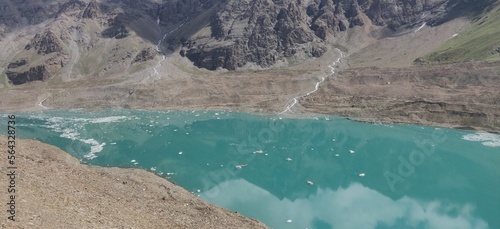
{"points": [[317, 172]]}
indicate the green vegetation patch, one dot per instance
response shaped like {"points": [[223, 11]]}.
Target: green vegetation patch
{"points": [[480, 42]]}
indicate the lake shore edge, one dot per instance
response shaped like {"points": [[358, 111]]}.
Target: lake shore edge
{"points": [[408, 120], [54, 188]]}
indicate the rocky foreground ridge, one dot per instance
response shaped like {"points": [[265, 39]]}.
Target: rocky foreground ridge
{"points": [[55, 191], [105, 37]]}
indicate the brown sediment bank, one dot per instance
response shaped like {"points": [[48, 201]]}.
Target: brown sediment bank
{"points": [[53, 190], [462, 95]]}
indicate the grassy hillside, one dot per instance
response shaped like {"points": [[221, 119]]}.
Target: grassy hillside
{"points": [[480, 42]]}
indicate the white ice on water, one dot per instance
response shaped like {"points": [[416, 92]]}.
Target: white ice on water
{"points": [[487, 139], [69, 129]]}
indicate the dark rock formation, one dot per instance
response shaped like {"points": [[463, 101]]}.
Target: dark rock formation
{"points": [[116, 30], [35, 73], [17, 63], [144, 55], [92, 10], [259, 31], [45, 43]]}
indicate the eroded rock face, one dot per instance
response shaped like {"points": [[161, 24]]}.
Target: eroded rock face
{"points": [[45, 43], [267, 31], [256, 31], [35, 73]]}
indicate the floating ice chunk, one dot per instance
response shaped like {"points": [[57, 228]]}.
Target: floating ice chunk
{"points": [[487, 139], [337, 155], [95, 148], [309, 182], [180, 152], [108, 119], [288, 159], [112, 143], [351, 151], [258, 152], [153, 169], [90, 156], [198, 190], [361, 175], [289, 221], [240, 166], [170, 174], [334, 140]]}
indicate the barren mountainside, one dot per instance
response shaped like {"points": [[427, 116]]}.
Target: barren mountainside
{"points": [[69, 36]]}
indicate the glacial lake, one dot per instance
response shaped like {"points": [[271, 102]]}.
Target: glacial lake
{"points": [[314, 172]]}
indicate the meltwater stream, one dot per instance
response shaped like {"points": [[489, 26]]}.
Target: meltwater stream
{"points": [[316, 172]]}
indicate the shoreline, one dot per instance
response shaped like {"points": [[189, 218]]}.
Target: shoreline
{"points": [[59, 189], [193, 197], [300, 115]]}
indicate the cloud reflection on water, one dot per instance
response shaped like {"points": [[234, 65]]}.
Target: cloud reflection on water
{"points": [[353, 207]]}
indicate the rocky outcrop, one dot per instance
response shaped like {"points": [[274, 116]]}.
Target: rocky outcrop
{"points": [[328, 17], [92, 10], [260, 31], [144, 55], [35, 73], [45, 43], [17, 63], [116, 30]]}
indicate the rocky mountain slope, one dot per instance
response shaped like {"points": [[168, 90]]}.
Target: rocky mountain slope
{"points": [[99, 38], [73, 39], [267, 32]]}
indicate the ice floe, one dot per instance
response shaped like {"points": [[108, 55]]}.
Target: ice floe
{"points": [[487, 139]]}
